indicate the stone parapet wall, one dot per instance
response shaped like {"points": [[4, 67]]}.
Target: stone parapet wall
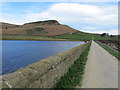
{"points": [[45, 73]]}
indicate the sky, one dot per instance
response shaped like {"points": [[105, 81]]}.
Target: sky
{"points": [[92, 17]]}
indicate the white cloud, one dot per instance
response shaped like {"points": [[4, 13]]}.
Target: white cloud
{"points": [[74, 12], [99, 16], [90, 28], [113, 32], [13, 21], [88, 17]]}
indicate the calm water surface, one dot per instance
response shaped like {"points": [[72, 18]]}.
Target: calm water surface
{"points": [[17, 54]]}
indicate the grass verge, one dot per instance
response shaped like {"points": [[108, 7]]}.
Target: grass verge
{"points": [[110, 50], [74, 76], [28, 37]]}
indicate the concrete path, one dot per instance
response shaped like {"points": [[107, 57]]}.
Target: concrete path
{"points": [[101, 69]]}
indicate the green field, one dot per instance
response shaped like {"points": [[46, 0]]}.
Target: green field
{"points": [[75, 36], [29, 37], [110, 50], [85, 36]]}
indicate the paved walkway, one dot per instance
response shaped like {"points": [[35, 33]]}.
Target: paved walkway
{"points": [[101, 69]]}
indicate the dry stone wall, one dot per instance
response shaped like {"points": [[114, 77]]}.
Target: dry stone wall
{"points": [[45, 73]]}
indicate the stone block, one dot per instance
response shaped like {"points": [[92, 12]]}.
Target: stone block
{"points": [[4, 85], [35, 84], [14, 79]]}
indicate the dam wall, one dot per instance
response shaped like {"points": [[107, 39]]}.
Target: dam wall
{"points": [[45, 73]]}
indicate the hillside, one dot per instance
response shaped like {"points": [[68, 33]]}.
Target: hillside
{"points": [[7, 25], [43, 28], [47, 30]]}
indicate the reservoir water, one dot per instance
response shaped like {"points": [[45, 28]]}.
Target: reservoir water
{"points": [[18, 54]]}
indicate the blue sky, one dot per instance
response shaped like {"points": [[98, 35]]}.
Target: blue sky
{"points": [[93, 17]]}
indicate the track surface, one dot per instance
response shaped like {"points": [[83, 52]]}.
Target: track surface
{"points": [[101, 69]]}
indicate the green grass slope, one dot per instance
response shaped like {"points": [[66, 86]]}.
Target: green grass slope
{"points": [[110, 50], [79, 36], [85, 36], [29, 37]]}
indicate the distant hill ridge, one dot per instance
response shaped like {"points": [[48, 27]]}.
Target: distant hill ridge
{"points": [[45, 28], [48, 22]]}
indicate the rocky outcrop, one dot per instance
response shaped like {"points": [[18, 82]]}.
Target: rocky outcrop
{"points": [[48, 22]]}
